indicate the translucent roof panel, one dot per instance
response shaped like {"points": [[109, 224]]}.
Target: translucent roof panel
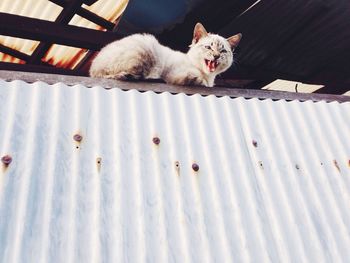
{"points": [[292, 86], [42, 9], [63, 56], [108, 9], [7, 58], [24, 45]]}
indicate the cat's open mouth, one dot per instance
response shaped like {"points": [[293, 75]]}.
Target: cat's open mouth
{"points": [[211, 64]]}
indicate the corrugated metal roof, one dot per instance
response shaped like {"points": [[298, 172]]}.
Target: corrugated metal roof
{"points": [[273, 182]]}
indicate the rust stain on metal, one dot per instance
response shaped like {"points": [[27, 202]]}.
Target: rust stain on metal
{"points": [[336, 165], [195, 167], [68, 60], [8, 58], [156, 140], [255, 143], [6, 160], [74, 59], [177, 167], [78, 138], [261, 165], [98, 163]]}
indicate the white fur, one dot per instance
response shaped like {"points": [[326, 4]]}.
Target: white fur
{"points": [[129, 55]]}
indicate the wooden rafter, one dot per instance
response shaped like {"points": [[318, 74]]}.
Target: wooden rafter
{"points": [[38, 68], [42, 30], [88, 15], [334, 88], [90, 2], [14, 53], [63, 18]]}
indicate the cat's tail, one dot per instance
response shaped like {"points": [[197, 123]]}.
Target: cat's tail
{"points": [[97, 70], [94, 70]]}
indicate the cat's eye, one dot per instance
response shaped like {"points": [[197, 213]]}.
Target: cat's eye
{"points": [[224, 51], [208, 47]]}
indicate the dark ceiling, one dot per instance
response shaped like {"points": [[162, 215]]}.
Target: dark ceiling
{"points": [[303, 40]]}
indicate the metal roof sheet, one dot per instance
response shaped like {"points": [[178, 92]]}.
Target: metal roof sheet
{"points": [[273, 179]]}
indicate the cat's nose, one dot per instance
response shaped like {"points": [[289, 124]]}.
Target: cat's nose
{"points": [[216, 56]]}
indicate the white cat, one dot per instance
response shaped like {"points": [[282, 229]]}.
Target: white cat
{"points": [[140, 56]]}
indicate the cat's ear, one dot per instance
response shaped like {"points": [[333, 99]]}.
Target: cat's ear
{"points": [[198, 33], [234, 40]]}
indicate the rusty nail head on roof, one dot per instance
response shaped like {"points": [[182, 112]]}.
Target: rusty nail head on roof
{"points": [[77, 137], [336, 165], [156, 140], [7, 159], [255, 143], [195, 167]]}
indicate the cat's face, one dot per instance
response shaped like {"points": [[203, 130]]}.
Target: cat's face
{"points": [[212, 53]]}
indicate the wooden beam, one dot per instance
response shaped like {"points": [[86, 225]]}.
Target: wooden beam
{"points": [[14, 53], [259, 84], [90, 2], [234, 83], [85, 63], [98, 20], [334, 88], [63, 18], [18, 54], [42, 30], [7, 66]]}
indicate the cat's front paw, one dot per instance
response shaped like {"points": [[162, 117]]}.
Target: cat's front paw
{"points": [[209, 85]]}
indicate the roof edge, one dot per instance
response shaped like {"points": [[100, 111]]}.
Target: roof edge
{"points": [[163, 87]]}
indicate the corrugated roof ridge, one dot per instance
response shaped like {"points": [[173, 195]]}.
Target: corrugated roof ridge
{"points": [[159, 87]]}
